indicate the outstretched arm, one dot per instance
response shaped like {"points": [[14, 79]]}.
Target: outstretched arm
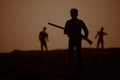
{"points": [[105, 33], [96, 35]]}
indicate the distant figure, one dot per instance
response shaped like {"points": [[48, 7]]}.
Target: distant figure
{"points": [[73, 28], [43, 37], [100, 33]]}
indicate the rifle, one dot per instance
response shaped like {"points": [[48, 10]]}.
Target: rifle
{"points": [[88, 40]]}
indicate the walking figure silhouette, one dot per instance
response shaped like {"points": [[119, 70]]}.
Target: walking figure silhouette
{"points": [[100, 34], [43, 37]]}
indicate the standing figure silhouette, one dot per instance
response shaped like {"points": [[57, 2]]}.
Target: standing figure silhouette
{"points": [[100, 33], [73, 28], [43, 37]]}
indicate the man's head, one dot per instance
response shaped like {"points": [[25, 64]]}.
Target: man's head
{"points": [[102, 28], [44, 28], [74, 13]]}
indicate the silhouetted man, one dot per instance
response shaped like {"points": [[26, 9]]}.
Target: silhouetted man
{"points": [[100, 33], [43, 37], [73, 29]]}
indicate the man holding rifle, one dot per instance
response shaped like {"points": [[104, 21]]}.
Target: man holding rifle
{"points": [[73, 28]]}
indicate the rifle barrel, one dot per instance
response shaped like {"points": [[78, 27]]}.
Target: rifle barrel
{"points": [[88, 40], [56, 26]]}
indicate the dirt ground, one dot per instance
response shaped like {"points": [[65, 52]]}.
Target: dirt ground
{"points": [[52, 65]]}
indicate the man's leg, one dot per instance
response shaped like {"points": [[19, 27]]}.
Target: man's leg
{"points": [[70, 54], [79, 58], [98, 43], [45, 44], [102, 44], [41, 46]]}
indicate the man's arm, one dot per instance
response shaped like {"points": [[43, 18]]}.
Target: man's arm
{"points": [[85, 29], [97, 35], [47, 37], [86, 33], [105, 33], [66, 28]]}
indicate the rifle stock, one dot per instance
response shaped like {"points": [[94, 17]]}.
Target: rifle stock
{"points": [[88, 40]]}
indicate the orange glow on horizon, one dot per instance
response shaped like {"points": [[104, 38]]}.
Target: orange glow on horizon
{"points": [[22, 20]]}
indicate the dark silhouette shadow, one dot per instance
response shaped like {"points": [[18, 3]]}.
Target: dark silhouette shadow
{"points": [[73, 29], [49, 65], [100, 35], [43, 37]]}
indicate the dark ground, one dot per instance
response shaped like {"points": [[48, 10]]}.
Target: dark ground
{"points": [[51, 65]]}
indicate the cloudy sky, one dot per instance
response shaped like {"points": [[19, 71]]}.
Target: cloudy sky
{"points": [[22, 20]]}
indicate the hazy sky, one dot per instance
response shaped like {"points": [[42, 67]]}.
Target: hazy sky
{"points": [[22, 20]]}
